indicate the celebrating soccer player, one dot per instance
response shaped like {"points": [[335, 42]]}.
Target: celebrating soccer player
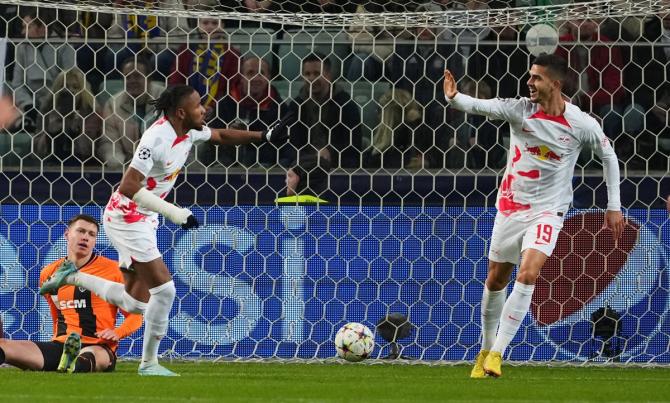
{"points": [[85, 339], [131, 219], [547, 135]]}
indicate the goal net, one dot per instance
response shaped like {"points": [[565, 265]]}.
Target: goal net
{"points": [[410, 183]]}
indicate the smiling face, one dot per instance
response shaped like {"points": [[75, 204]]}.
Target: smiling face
{"points": [[80, 237], [542, 85]]}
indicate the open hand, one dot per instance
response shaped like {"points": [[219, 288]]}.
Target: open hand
{"points": [[450, 89]]}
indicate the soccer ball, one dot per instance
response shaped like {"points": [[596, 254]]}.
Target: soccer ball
{"points": [[354, 342]]}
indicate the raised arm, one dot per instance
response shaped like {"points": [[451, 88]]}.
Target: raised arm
{"points": [[498, 109]]}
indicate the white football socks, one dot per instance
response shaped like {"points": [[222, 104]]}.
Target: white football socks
{"points": [[513, 313], [156, 320], [491, 309], [111, 291]]}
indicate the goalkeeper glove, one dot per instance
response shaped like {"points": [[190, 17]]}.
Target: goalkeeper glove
{"points": [[278, 133]]}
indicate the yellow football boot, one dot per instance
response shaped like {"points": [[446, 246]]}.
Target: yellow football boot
{"points": [[492, 364], [478, 370]]}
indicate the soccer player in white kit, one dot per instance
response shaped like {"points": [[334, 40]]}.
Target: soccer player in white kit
{"points": [[131, 216], [546, 137]]}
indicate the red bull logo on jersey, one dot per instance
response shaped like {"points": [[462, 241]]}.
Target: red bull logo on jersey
{"points": [[543, 153]]}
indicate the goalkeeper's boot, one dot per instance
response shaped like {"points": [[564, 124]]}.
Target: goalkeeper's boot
{"points": [[71, 349], [58, 279], [478, 370], [493, 364], [155, 369]]}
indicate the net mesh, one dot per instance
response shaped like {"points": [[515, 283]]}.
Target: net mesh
{"points": [[412, 183], [342, 13]]}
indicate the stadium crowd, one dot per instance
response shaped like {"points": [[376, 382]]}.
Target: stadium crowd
{"points": [[82, 81]]}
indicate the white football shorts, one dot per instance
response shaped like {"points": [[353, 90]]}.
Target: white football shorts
{"points": [[511, 237], [135, 242]]}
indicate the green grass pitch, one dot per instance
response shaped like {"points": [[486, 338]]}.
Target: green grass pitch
{"points": [[270, 382]]}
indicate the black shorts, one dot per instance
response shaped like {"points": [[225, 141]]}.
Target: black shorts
{"points": [[52, 351]]}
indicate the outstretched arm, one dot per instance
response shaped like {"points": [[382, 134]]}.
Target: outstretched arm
{"points": [[233, 137], [277, 133], [500, 109]]}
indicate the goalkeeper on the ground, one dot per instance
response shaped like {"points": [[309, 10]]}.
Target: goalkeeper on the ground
{"points": [[85, 337]]}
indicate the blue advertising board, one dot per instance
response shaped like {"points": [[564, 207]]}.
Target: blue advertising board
{"points": [[266, 281]]}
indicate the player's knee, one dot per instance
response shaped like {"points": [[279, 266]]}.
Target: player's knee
{"points": [[496, 284], [166, 291], [132, 305], [496, 280], [527, 277], [85, 362]]}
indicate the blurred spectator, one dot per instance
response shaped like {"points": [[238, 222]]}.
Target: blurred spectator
{"points": [[36, 65], [153, 33], [73, 124], [369, 55], [128, 113], [466, 38], [646, 78], [503, 66], [328, 118], [253, 104], [478, 137], [209, 67], [92, 25], [596, 74], [307, 181], [419, 69], [400, 139]]}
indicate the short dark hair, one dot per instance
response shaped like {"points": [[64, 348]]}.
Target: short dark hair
{"points": [[137, 61], [557, 66], [318, 57], [83, 217], [170, 99]]}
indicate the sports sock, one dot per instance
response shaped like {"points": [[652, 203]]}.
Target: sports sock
{"points": [[491, 308], [156, 319], [111, 291], [85, 362], [513, 312]]}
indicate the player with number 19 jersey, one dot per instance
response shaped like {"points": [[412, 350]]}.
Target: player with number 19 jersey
{"points": [[536, 189], [160, 157]]}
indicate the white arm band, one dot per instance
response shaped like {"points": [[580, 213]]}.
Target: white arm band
{"points": [[150, 201]]}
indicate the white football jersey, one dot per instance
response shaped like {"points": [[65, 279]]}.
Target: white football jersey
{"points": [[543, 153], [160, 157]]}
